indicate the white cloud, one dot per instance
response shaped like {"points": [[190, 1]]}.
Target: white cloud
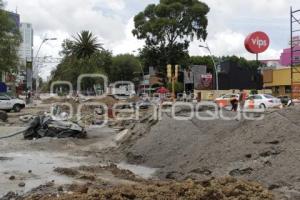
{"points": [[229, 43], [72, 16], [251, 8], [114, 4], [63, 18], [111, 20], [130, 44]]}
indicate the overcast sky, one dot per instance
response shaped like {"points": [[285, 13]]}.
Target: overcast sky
{"points": [[112, 21]]}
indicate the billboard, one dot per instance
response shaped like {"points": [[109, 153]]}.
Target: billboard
{"points": [[198, 71], [205, 83], [188, 76], [257, 42]]}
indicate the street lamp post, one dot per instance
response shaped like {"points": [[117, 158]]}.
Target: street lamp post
{"points": [[215, 66], [36, 63], [143, 74]]}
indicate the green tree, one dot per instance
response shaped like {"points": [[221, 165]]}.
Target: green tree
{"points": [[155, 56], [179, 87], [240, 61], [10, 40], [67, 48], [125, 67], [84, 45], [168, 28], [203, 60], [85, 57], [71, 67]]}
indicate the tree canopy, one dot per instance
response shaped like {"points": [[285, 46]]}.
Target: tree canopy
{"points": [[125, 67], [71, 67], [171, 20], [203, 60], [85, 56], [10, 40], [240, 61], [85, 44], [168, 28]]}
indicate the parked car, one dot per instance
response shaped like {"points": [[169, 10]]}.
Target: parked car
{"points": [[224, 100], [262, 101], [179, 97], [144, 104], [8, 103]]}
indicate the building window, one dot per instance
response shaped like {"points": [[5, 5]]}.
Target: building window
{"points": [[288, 89]]}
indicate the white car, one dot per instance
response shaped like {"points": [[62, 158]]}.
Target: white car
{"points": [[262, 101], [9, 103]]}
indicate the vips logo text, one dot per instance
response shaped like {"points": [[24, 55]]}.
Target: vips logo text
{"points": [[260, 43], [257, 42]]}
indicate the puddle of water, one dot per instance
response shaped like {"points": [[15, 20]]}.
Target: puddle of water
{"points": [[142, 171], [41, 164]]}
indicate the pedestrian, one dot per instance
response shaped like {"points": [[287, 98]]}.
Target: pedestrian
{"points": [[184, 96], [242, 99], [28, 96], [234, 104]]}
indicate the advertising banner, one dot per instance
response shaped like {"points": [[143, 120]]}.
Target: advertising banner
{"points": [[205, 82]]}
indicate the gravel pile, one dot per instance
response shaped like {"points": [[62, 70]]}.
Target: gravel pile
{"points": [[221, 189], [267, 151]]}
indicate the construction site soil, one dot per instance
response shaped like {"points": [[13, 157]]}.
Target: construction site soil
{"points": [[192, 159], [266, 150]]}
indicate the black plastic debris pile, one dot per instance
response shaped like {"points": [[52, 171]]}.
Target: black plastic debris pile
{"points": [[46, 126], [3, 116]]}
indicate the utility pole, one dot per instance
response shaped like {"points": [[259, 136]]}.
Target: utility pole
{"points": [[36, 64], [215, 66], [143, 74], [172, 78]]}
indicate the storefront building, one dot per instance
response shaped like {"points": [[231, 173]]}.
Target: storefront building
{"points": [[279, 80]]}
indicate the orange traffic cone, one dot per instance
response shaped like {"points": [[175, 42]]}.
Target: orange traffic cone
{"points": [[251, 104]]}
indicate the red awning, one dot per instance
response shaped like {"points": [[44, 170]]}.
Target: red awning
{"points": [[162, 90]]}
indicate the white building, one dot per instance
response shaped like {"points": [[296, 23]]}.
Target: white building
{"points": [[26, 48], [26, 53]]}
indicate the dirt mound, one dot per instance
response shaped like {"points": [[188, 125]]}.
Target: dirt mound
{"points": [[86, 172], [66, 171], [51, 100], [265, 150], [225, 188], [106, 100]]}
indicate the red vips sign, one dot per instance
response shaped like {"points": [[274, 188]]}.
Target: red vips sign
{"points": [[257, 42]]}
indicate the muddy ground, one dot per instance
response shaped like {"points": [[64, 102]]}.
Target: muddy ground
{"points": [[150, 159]]}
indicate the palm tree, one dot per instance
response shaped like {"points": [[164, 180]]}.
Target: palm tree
{"points": [[85, 44]]}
